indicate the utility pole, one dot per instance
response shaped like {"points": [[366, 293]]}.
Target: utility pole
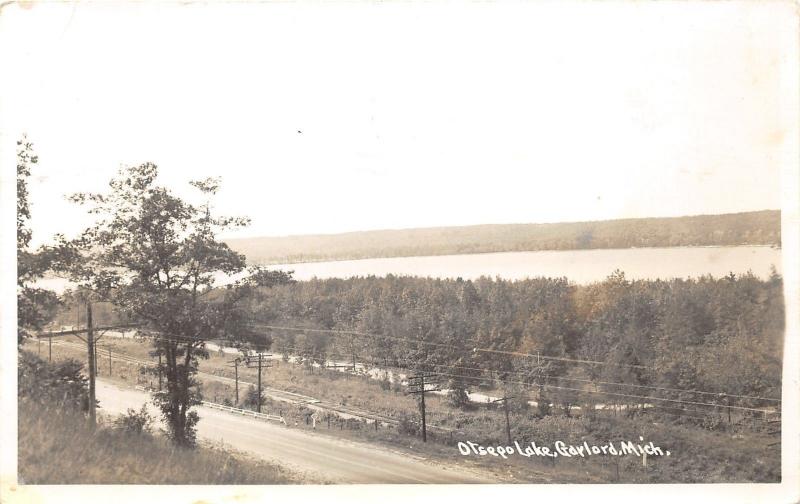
{"points": [[235, 362], [257, 360], [90, 347], [504, 400], [416, 385], [728, 400], [91, 344]]}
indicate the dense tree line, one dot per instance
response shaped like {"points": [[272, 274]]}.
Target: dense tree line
{"points": [[748, 228], [35, 306], [703, 334]]}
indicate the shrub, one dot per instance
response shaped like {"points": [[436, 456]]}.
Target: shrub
{"points": [[56, 384], [251, 398], [543, 405], [407, 426], [135, 422], [457, 397]]}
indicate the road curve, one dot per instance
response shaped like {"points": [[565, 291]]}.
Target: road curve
{"points": [[320, 458]]}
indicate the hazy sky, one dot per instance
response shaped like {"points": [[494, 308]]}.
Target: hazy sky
{"points": [[337, 117]]}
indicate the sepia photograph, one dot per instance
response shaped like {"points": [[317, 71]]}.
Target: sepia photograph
{"points": [[472, 250]]}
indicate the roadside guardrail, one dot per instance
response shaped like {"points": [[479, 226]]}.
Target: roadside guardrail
{"points": [[244, 412]]}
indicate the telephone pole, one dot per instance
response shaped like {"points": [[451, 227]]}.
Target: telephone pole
{"points": [[417, 385], [257, 360], [235, 362], [504, 400], [90, 345]]}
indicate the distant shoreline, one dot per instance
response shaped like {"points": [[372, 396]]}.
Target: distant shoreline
{"points": [[319, 261], [753, 229]]}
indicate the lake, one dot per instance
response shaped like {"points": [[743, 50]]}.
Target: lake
{"points": [[579, 266]]}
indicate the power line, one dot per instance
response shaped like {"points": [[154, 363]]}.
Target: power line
{"points": [[599, 382], [617, 394], [351, 333], [440, 345], [603, 393], [593, 382], [175, 338], [606, 393], [564, 359]]}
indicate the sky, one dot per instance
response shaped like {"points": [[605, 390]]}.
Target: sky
{"points": [[345, 116]]}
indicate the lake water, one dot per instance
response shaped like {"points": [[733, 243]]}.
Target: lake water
{"points": [[579, 266]]}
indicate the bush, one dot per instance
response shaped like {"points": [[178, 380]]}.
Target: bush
{"points": [[56, 384], [135, 422], [543, 405], [251, 398], [407, 426], [457, 397]]}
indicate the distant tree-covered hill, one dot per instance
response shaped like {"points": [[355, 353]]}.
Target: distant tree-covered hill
{"points": [[750, 228]]}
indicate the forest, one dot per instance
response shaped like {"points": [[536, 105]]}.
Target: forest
{"points": [[748, 228], [684, 341]]}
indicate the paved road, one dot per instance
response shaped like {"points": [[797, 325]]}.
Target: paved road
{"points": [[320, 458]]}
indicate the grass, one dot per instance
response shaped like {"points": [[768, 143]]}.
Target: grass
{"points": [[57, 446]]}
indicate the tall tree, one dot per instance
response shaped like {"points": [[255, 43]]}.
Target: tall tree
{"points": [[156, 257]]}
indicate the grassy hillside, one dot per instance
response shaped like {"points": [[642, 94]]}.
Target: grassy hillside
{"points": [[750, 228], [56, 445]]}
